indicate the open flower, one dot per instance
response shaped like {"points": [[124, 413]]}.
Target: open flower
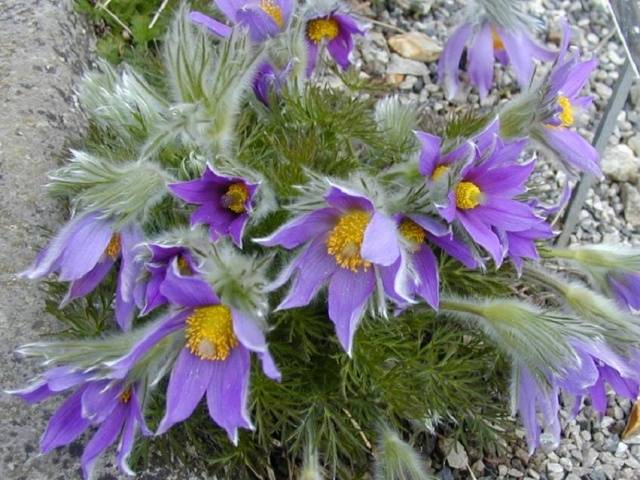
{"points": [[225, 202], [162, 256], [84, 252], [418, 263], [215, 356], [263, 18], [481, 198], [337, 29], [487, 36], [557, 115], [344, 244], [113, 406]]}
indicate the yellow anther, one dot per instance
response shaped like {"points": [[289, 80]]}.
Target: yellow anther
{"points": [[183, 266], [113, 248], [439, 171], [236, 198], [497, 41], [125, 396], [412, 232], [271, 8], [468, 195], [321, 28], [566, 115], [209, 332], [346, 238]]}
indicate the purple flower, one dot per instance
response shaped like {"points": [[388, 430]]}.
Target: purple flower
{"points": [[418, 262], [162, 256], [215, 358], [113, 406], [263, 18], [84, 252], [626, 289], [531, 398], [557, 116], [267, 79], [485, 40], [344, 244], [225, 202], [522, 244], [596, 367], [481, 199], [338, 30]]}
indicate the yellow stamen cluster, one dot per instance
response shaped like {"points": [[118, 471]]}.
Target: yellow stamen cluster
{"points": [[468, 195], [183, 266], [438, 172], [346, 238], [125, 396], [209, 332], [412, 232], [497, 41], [566, 115], [271, 8], [236, 198], [114, 246], [321, 28]]}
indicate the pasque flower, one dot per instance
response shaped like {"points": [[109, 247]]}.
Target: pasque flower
{"points": [[214, 359], [337, 30], [84, 251], [344, 245], [162, 256], [263, 18], [268, 78], [625, 288], [487, 177], [225, 202], [597, 366], [113, 406], [557, 115], [494, 29], [418, 263]]}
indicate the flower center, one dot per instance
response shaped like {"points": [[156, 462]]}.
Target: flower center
{"points": [[321, 28], [468, 195], [439, 171], [271, 8], [183, 266], [346, 238], [412, 232], [209, 332], [114, 247], [566, 114], [236, 197], [497, 41], [125, 396]]}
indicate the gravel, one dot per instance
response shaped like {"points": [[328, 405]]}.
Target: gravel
{"points": [[42, 50], [590, 448]]}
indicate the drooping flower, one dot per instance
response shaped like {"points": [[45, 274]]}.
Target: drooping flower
{"points": [[215, 356], [263, 18], [418, 234], [557, 112], [337, 29], [597, 366], [225, 202], [114, 407], [268, 79], [84, 251], [626, 289], [344, 245], [481, 198], [162, 257], [492, 30]]}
